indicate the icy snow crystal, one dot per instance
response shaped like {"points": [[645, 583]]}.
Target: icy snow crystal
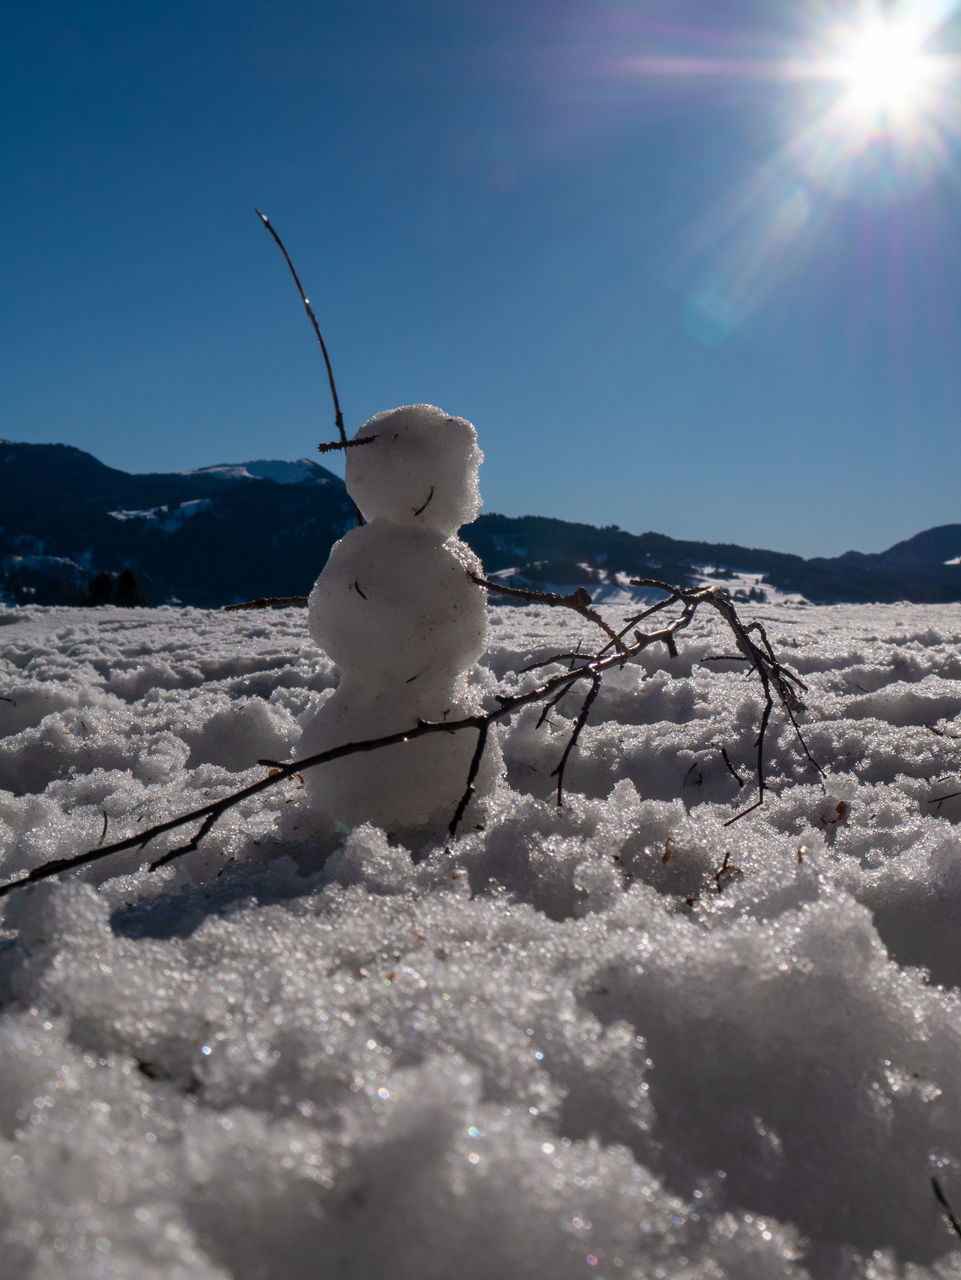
{"points": [[562, 1047]]}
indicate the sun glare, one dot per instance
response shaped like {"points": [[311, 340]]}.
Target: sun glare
{"points": [[885, 70], [866, 106]]}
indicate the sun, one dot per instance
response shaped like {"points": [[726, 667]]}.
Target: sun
{"points": [[885, 117], [885, 72]]}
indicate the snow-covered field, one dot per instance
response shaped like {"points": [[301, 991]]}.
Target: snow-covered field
{"points": [[613, 1039]]}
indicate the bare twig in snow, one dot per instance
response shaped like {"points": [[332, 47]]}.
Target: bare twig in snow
{"points": [[482, 731], [777, 682], [579, 600], [939, 800], [949, 1213], [727, 760], [558, 772]]}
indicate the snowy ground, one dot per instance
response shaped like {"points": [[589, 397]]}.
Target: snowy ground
{"points": [[614, 1039]]}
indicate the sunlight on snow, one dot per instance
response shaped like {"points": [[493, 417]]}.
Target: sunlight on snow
{"points": [[611, 1039]]}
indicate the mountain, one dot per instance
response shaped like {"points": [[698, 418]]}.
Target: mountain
{"points": [[198, 537], [923, 569], [926, 568], [264, 528]]}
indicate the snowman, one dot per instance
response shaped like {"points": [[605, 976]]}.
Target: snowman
{"points": [[395, 608]]}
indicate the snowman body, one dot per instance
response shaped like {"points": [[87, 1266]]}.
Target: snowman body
{"points": [[396, 609]]}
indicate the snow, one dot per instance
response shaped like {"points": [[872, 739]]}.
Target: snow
{"points": [[166, 519], [740, 586], [613, 1039], [396, 610], [281, 472], [619, 593], [147, 513], [48, 563], [420, 467]]}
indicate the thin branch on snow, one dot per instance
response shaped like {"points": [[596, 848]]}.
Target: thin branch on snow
{"points": [[483, 729], [579, 600], [939, 800], [579, 724], [777, 683], [943, 1201], [727, 760]]}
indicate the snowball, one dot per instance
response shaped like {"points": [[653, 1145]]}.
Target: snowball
{"points": [[412, 784], [421, 469], [395, 604]]}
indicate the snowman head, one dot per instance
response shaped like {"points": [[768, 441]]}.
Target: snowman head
{"points": [[420, 469]]}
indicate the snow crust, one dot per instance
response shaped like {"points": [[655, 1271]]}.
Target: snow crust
{"points": [[616, 1039]]}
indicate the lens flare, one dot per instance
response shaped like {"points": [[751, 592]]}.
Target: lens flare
{"points": [[886, 70], [867, 107]]}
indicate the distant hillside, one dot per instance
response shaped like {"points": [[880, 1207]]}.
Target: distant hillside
{"points": [[204, 537], [265, 527], [925, 568]]}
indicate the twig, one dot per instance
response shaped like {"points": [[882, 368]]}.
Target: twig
{"points": [[948, 1211], [940, 799], [578, 600], [329, 446], [575, 734], [208, 814], [265, 602], [338, 415], [551, 703], [727, 760], [698, 780], [472, 773], [727, 872], [776, 680]]}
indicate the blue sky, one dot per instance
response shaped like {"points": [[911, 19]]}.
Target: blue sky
{"points": [[640, 245]]}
